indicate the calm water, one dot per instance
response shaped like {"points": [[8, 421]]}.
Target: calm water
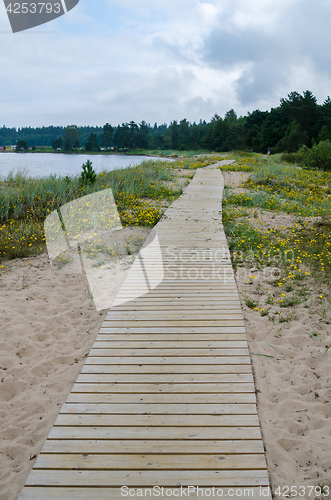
{"points": [[44, 164]]}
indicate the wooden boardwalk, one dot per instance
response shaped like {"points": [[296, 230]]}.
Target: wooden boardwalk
{"points": [[166, 397]]}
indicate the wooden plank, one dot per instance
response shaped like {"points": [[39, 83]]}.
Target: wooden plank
{"points": [[219, 284], [198, 274], [149, 446], [238, 398], [151, 432], [222, 296], [185, 271], [173, 330], [165, 314], [166, 305], [163, 378], [157, 420], [176, 262], [227, 297], [173, 316], [182, 278], [174, 369], [207, 293], [206, 286], [167, 295], [143, 301], [104, 343], [164, 360], [168, 352], [173, 293], [131, 462], [207, 289], [193, 239], [162, 478], [162, 409], [178, 281], [166, 388], [113, 493], [223, 281], [194, 323], [164, 296], [192, 337]]}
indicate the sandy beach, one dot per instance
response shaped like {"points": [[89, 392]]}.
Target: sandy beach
{"points": [[48, 326]]}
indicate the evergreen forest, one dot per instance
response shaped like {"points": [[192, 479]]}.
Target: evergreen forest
{"points": [[298, 121]]}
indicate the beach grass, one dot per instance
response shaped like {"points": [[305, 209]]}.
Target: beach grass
{"points": [[296, 253], [280, 188], [141, 194]]}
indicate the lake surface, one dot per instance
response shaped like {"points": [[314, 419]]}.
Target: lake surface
{"points": [[44, 164]]}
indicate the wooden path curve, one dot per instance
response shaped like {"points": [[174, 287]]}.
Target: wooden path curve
{"points": [[166, 397]]}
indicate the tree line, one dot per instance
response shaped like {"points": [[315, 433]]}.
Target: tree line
{"points": [[298, 120]]}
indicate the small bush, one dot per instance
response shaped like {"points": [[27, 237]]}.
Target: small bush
{"points": [[251, 303], [290, 157], [318, 157]]}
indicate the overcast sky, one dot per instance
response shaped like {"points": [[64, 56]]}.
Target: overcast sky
{"points": [[160, 60]]}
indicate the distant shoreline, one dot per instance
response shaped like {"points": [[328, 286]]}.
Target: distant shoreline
{"points": [[105, 153], [95, 153]]}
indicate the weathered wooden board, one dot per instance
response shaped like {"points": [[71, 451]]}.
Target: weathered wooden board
{"points": [[103, 343], [65, 461], [117, 323], [163, 378], [166, 388], [113, 493], [99, 478], [161, 408], [163, 360], [168, 352], [162, 432], [165, 420], [198, 399], [174, 369], [174, 315], [166, 337], [149, 446], [173, 330]]}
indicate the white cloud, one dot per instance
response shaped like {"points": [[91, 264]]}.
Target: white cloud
{"points": [[122, 60]]}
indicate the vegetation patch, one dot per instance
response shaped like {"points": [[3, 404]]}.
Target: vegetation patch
{"points": [[142, 193], [287, 264]]}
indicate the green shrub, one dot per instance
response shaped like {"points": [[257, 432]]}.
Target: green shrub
{"points": [[297, 157], [289, 157], [318, 157], [88, 176]]}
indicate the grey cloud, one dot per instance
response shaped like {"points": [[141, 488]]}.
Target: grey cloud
{"points": [[313, 30], [148, 68], [223, 48], [181, 53], [268, 59], [262, 82], [262, 62]]}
